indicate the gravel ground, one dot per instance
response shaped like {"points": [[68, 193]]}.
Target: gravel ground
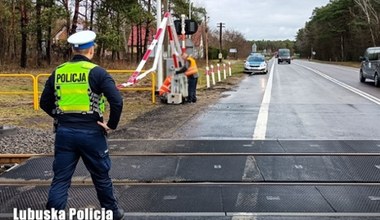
{"points": [[146, 126], [27, 140]]}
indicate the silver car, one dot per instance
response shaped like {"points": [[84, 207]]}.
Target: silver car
{"points": [[255, 64]]}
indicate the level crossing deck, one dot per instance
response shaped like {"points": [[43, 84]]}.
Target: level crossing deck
{"points": [[219, 179]]}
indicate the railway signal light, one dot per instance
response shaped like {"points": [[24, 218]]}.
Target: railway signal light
{"points": [[191, 27]]}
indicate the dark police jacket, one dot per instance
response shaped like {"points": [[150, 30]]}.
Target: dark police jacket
{"points": [[100, 82]]}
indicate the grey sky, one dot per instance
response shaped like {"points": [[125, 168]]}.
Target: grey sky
{"points": [[261, 19]]}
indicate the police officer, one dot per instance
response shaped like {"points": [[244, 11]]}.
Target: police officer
{"points": [[191, 71], [74, 95]]}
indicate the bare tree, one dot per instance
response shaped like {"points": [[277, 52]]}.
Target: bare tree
{"points": [[65, 4], [12, 51], [371, 16], [49, 4], [24, 20], [92, 14], [39, 32], [74, 24]]}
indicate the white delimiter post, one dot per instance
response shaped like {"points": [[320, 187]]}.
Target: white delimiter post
{"points": [[219, 78], [207, 77], [229, 69], [224, 71], [160, 77], [212, 75]]}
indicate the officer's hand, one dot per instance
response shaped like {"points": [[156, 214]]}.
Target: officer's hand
{"points": [[104, 125]]}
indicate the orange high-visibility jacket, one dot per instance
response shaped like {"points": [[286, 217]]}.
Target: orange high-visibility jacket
{"points": [[193, 69]]}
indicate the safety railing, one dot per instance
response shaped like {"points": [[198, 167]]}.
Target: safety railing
{"points": [[36, 88], [152, 88], [33, 91]]}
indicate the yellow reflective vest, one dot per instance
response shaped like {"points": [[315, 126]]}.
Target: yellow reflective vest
{"points": [[72, 89]]}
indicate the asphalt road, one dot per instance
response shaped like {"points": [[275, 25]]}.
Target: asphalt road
{"points": [[301, 101]]}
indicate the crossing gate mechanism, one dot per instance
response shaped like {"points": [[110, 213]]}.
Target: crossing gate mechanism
{"points": [[178, 86]]}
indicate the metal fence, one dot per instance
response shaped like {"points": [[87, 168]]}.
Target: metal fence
{"points": [[35, 85]]}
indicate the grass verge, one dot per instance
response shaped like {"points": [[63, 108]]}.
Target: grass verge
{"points": [[17, 109]]}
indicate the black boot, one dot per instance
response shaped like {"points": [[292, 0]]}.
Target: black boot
{"points": [[118, 214]]}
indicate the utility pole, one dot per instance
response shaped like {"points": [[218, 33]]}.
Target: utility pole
{"points": [[206, 38], [220, 26], [190, 4], [189, 16]]}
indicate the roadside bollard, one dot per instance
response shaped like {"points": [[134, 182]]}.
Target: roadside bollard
{"points": [[224, 71], [212, 75], [219, 78], [229, 69], [207, 77]]}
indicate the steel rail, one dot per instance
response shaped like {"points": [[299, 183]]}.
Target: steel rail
{"points": [[16, 158], [242, 215], [196, 183], [4, 158], [256, 215], [243, 154]]}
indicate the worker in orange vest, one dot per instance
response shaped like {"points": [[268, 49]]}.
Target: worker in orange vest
{"points": [[191, 71]]}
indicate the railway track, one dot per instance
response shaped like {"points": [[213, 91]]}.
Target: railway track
{"points": [[324, 185], [20, 158], [16, 158]]}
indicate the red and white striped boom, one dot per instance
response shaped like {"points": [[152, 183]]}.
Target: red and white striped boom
{"points": [[158, 40]]}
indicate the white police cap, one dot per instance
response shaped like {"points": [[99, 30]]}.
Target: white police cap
{"points": [[82, 40]]}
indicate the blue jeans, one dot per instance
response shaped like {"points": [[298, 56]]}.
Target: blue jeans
{"points": [[91, 146]]}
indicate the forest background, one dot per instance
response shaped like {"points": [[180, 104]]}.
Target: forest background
{"points": [[33, 32]]}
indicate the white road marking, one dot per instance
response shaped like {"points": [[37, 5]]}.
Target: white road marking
{"points": [[262, 118], [217, 166], [374, 198], [250, 169], [344, 85], [273, 198], [170, 197]]}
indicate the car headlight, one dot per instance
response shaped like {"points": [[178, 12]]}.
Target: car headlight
{"points": [[246, 65], [263, 65]]}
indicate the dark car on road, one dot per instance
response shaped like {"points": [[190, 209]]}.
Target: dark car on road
{"points": [[370, 66], [283, 55]]}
